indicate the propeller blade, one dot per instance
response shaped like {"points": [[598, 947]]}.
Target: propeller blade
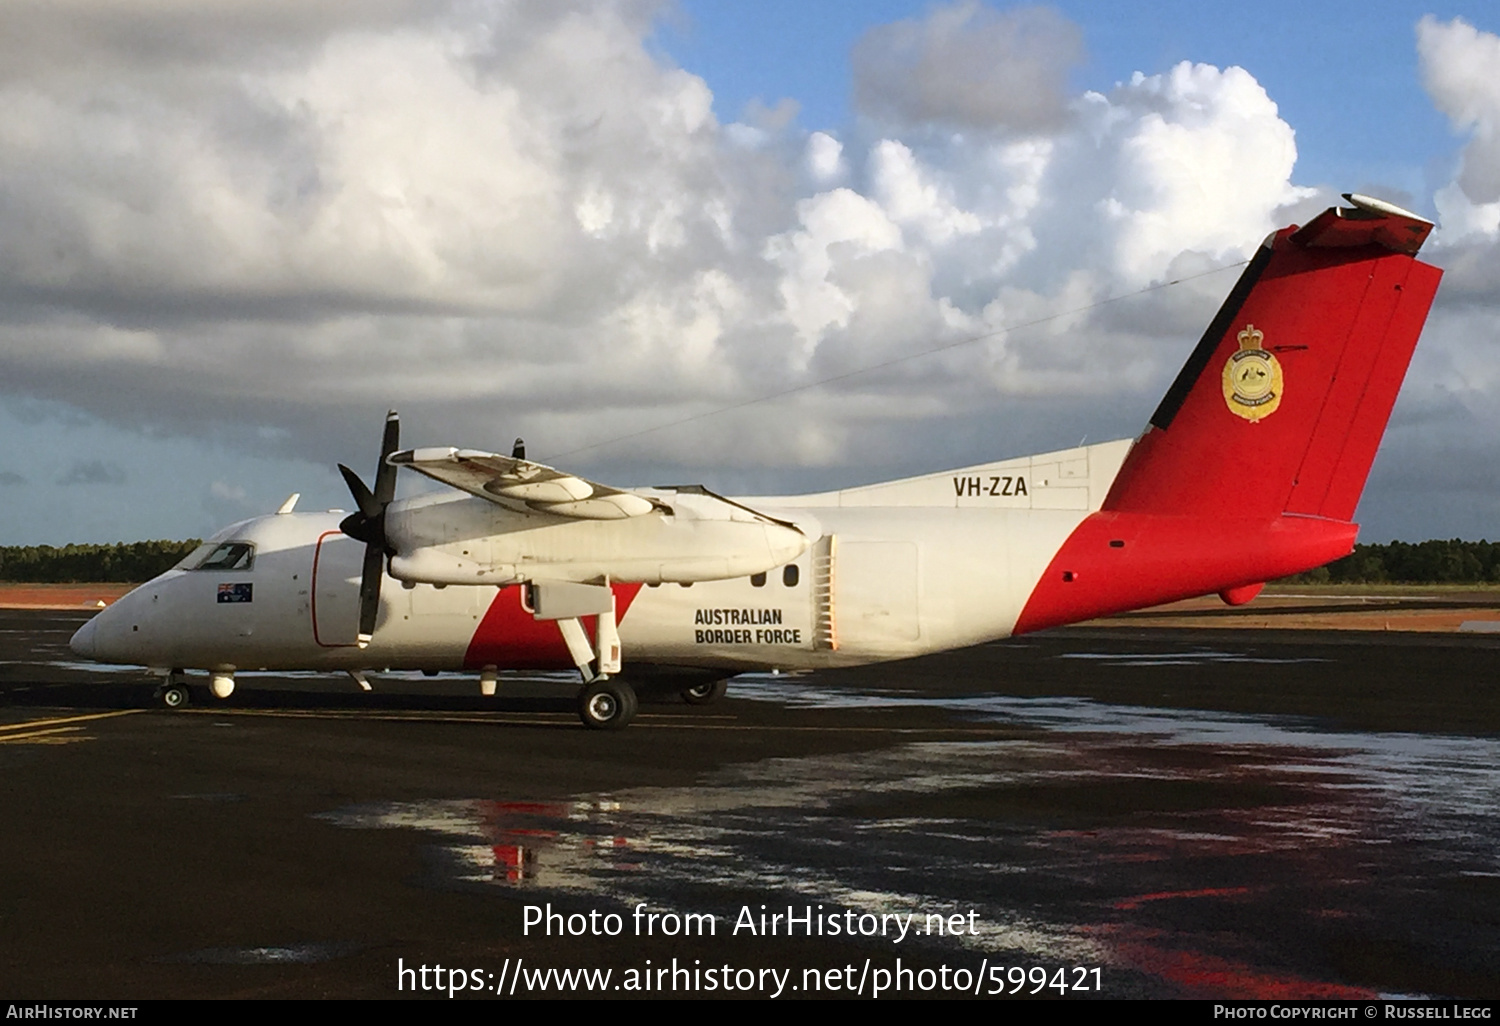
{"points": [[368, 525], [364, 500], [385, 473], [369, 593]]}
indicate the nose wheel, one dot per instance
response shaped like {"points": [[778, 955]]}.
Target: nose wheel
{"points": [[173, 696], [173, 691], [608, 704]]}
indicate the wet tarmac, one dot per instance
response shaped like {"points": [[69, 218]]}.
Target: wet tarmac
{"points": [[1189, 813]]}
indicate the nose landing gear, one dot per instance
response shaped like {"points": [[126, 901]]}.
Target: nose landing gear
{"points": [[173, 690]]}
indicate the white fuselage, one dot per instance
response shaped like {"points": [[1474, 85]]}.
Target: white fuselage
{"points": [[892, 570]]}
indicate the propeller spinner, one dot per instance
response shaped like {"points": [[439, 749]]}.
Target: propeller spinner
{"points": [[367, 524]]}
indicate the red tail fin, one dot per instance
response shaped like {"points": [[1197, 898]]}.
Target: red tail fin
{"points": [[1252, 466], [1282, 405]]}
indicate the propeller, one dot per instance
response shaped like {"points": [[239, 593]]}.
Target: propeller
{"points": [[367, 524]]}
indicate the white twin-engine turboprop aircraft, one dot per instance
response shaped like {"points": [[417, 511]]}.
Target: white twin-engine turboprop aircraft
{"points": [[1249, 470]]}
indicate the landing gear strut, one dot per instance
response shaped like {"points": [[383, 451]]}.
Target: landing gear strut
{"points": [[607, 704]]}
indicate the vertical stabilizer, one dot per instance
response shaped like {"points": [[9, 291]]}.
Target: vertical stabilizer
{"points": [[1282, 405], [1253, 464]]}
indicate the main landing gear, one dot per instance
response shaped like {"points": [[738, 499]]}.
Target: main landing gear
{"points": [[607, 704], [704, 694], [604, 702]]}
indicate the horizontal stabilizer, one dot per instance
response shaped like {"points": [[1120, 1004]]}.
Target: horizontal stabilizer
{"points": [[1368, 222]]}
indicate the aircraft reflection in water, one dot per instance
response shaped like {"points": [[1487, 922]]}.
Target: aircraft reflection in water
{"points": [[1226, 857], [1249, 470]]}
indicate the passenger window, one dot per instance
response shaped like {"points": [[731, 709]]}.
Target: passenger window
{"points": [[789, 575], [758, 580], [230, 556]]}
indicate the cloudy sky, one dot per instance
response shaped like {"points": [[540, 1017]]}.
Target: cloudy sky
{"points": [[233, 233]]}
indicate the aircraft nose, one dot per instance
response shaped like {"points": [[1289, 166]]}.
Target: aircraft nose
{"points": [[83, 639]]}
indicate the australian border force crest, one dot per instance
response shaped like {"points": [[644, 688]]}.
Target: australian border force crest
{"points": [[1252, 378]]}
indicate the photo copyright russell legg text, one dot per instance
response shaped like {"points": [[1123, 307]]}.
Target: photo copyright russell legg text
{"points": [[1410, 1009]]}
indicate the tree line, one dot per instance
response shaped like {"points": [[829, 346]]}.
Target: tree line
{"points": [[1430, 562], [125, 562]]}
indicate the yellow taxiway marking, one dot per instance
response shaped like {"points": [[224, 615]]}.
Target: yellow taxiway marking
{"points": [[44, 737], [31, 724]]}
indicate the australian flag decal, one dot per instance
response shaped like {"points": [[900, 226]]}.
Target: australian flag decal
{"points": [[236, 592]]}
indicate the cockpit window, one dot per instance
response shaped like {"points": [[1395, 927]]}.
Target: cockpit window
{"points": [[229, 556], [198, 555]]}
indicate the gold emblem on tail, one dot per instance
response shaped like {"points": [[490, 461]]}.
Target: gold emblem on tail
{"points": [[1252, 378]]}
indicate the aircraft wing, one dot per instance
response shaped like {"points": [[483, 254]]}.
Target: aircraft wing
{"points": [[523, 486]]}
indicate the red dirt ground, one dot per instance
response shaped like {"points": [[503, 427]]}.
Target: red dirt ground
{"points": [[60, 596]]}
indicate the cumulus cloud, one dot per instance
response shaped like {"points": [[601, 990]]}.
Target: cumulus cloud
{"points": [[1168, 176], [1458, 64], [1440, 443], [824, 155], [225, 502], [968, 66], [271, 221], [48, 38], [226, 492], [486, 212], [1458, 68], [92, 472]]}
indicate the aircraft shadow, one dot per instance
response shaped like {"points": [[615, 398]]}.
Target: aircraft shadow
{"points": [[139, 694]]}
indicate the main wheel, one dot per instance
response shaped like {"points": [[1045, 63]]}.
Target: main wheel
{"points": [[174, 696], [606, 705], [703, 694]]}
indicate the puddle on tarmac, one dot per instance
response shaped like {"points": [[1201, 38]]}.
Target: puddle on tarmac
{"points": [[1163, 840], [290, 954], [1188, 657], [78, 666], [213, 797]]}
